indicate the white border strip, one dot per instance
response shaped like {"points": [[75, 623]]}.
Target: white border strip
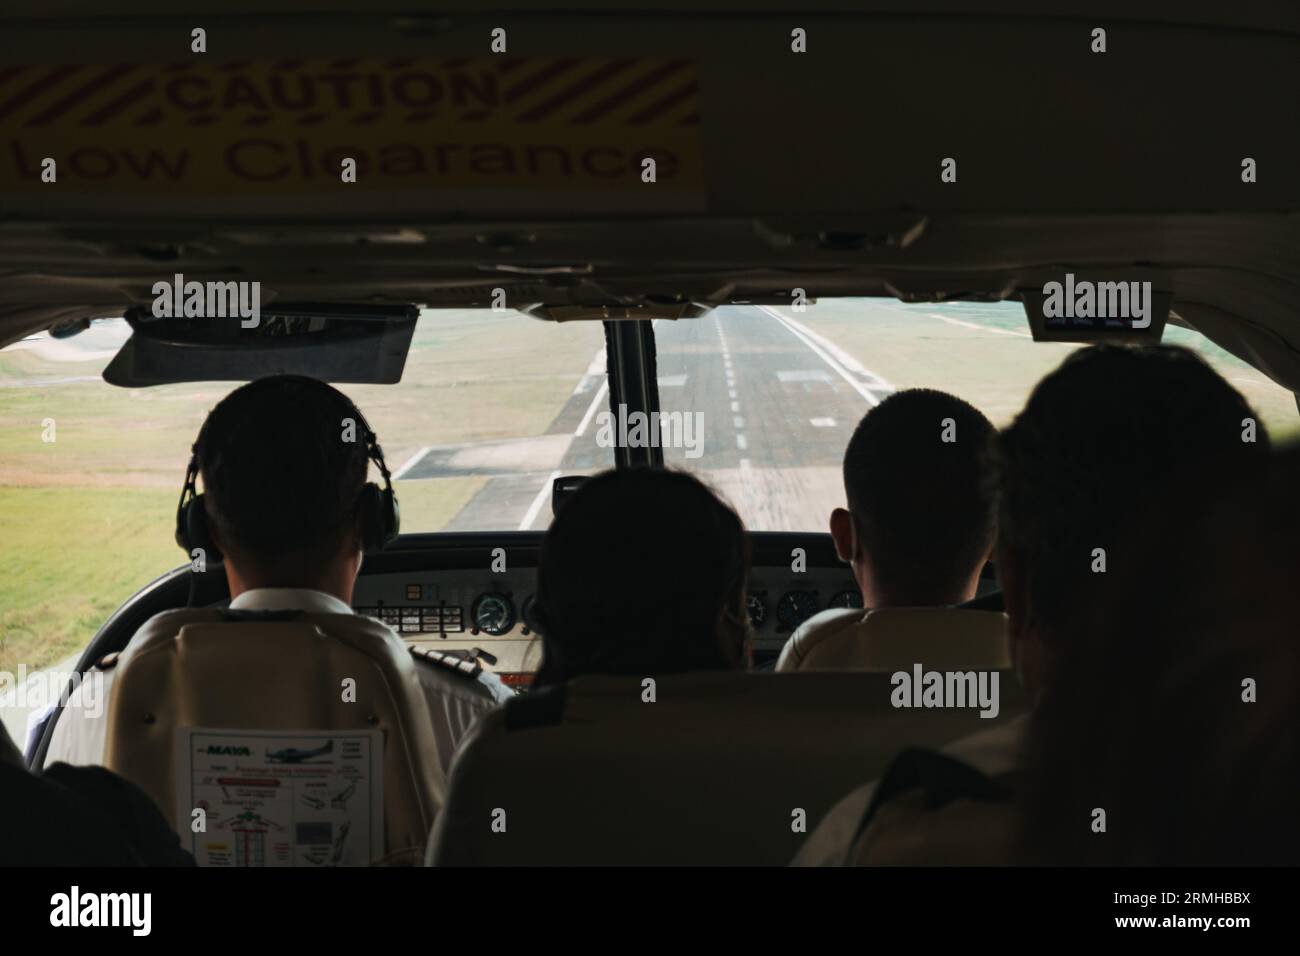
{"points": [[411, 462], [806, 336], [540, 499]]}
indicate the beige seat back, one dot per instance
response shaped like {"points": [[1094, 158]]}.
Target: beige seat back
{"points": [[891, 639], [720, 769], [197, 668]]}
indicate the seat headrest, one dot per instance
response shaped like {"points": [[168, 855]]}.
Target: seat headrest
{"points": [[890, 639], [275, 672], [711, 769]]}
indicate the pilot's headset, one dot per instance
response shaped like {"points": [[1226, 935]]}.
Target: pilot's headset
{"points": [[377, 507]]}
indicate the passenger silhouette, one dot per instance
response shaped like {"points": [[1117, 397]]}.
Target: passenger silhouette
{"points": [[920, 518], [1168, 733], [1098, 448], [918, 528], [642, 572]]}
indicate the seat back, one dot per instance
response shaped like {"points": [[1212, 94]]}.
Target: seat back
{"points": [[720, 769], [300, 673], [892, 638]]}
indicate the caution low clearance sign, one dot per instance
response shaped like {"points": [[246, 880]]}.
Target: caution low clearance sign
{"points": [[564, 124]]}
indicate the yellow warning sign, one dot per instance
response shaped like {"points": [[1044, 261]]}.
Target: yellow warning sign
{"points": [[290, 125]]}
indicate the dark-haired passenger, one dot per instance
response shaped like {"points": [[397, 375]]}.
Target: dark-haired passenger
{"points": [[1096, 450], [1168, 733], [919, 524], [642, 573], [283, 501]]}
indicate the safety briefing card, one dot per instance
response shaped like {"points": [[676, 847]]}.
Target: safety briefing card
{"points": [[277, 798]]}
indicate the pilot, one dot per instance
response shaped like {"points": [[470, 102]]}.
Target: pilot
{"points": [[920, 519], [1097, 446], [287, 506]]}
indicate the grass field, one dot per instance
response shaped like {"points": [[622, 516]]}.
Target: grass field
{"points": [[87, 519], [982, 353]]}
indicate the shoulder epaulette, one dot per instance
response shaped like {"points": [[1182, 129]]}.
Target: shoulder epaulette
{"points": [[466, 667], [107, 662]]}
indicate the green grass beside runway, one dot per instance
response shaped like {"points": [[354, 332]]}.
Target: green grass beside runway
{"points": [[87, 519], [989, 366], [70, 556]]}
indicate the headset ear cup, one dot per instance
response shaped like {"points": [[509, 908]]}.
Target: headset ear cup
{"points": [[392, 515], [182, 527], [197, 533], [379, 517]]}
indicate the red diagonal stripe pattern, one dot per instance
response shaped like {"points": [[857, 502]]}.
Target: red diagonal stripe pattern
{"points": [[80, 95], [539, 79], [663, 104], [574, 90], [131, 96], [631, 90], [31, 90]]}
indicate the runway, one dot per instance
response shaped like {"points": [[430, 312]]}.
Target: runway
{"points": [[776, 404]]}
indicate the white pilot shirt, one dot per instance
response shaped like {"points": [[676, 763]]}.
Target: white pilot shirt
{"points": [[455, 701]]}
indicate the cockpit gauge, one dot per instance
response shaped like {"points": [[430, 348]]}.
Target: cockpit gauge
{"points": [[795, 607], [756, 610], [493, 614], [847, 599], [529, 614]]}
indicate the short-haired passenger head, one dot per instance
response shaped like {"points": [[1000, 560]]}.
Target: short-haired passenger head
{"points": [[642, 572], [1102, 441], [282, 485], [920, 519]]}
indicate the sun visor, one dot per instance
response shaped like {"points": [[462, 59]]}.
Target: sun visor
{"points": [[335, 343], [1095, 309]]}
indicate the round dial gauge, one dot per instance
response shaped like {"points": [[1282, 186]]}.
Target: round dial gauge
{"points": [[847, 599], [756, 609], [795, 607], [493, 614], [527, 612]]}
